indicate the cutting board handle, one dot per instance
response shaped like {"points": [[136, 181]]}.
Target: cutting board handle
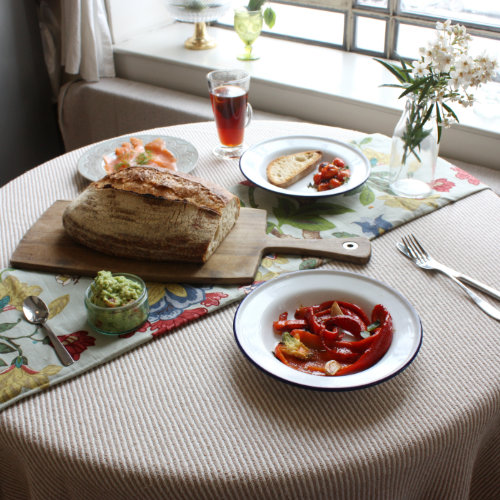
{"points": [[357, 250]]}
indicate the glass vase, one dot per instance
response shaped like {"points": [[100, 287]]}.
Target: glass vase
{"points": [[248, 26], [414, 150]]}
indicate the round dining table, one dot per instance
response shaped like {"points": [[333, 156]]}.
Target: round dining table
{"points": [[187, 416]]}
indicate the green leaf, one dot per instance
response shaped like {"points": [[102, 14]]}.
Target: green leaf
{"points": [[309, 264], [5, 348], [343, 234], [425, 89], [411, 89], [367, 196], [452, 113], [3, 363], [7, 326], [366, 140], [310, 224], [393, 85], [270, 226], [438, 119], [286, 206], [324, 209], [251, 197], [397, 72], [269, 17], [428, 114], [255, 4]]}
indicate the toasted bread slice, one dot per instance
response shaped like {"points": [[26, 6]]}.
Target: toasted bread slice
{"points": [[286, 170]]}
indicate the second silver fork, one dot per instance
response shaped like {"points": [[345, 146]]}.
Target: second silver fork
{"points": [[418, 254]]}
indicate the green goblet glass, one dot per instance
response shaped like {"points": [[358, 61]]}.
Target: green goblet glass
{"points": [[248, 25]]}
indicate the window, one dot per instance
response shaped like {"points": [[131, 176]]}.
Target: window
{"points": [[385, 28]]}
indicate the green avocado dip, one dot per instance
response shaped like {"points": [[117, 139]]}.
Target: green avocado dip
{"points": [[114, 291], [116, 304]]}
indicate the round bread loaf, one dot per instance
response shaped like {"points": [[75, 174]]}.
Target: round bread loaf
{"points": [[153, 214]]}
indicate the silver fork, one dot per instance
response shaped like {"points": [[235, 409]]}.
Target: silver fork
{"points": [[433, 264], [418, 254]]}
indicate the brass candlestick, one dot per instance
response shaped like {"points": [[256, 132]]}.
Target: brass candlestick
{"points": [[200, 40]]}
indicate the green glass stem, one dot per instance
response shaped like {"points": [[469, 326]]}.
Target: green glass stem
{"points": [[247, 54]]}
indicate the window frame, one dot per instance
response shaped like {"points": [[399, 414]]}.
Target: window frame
{"points": [[392, 14]]}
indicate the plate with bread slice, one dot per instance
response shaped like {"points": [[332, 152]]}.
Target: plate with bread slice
{"points": [[306, 166], [172, 153]]}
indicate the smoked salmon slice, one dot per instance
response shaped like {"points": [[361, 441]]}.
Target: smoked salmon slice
{"points": [[134, 153]]}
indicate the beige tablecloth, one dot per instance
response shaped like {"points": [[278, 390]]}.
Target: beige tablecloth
{"points": [[155, 423]]}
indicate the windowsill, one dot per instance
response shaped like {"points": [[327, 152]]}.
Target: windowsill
{"points": [[312, 83]]}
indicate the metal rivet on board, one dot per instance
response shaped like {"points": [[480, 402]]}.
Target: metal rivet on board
{"points": [[350, 245]]}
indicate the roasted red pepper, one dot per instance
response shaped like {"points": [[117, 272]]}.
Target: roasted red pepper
{"points": [[308, 338], [288, 325], [313, 323], [320, 331], [381, 342], [350, 323], [341, 354], [353, 308]]}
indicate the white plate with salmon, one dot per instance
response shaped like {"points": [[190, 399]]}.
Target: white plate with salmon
{"points": [[163, 151]]}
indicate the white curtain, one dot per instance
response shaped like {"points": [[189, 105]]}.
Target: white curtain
{"points": [[86, 46], [76, 36]]}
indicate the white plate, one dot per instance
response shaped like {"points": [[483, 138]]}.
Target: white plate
{"points": [[254, 161], [91, 164], [254, 318]]}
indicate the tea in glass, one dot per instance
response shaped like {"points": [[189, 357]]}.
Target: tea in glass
{"points": [[232, 111]]}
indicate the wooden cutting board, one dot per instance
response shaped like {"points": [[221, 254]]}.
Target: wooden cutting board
{"points": [[46, 247]]}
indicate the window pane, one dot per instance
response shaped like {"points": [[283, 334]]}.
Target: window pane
{"points": [[370, 34], [312, 24], [411, 38], [378, 4], [474, 11], [301, 22]]}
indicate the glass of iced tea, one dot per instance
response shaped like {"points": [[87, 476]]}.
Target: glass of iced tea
{"points": [[232, 111]]}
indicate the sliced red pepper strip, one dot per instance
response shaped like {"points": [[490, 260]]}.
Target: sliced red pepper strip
{"points": [[352, 324], [358, 345], [326, 305], [379, 346], [288, 325], [312, 322], [331, 336], [279, 354], [342, 354], [309, 339], [300, 313], [356, 310]]}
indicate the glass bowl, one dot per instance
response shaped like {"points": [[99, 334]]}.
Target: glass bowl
{"points": [[118, 320]]}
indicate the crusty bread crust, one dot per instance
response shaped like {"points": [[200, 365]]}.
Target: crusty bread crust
{"points": [[286, 170], [153, 214]]}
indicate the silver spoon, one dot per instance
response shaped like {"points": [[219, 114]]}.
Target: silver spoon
{"points": [[36, 312]]}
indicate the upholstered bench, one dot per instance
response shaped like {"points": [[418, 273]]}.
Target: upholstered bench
{"points": [[92, 112]]}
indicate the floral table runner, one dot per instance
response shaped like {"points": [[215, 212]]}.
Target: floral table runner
{"points": [[28, 362]]}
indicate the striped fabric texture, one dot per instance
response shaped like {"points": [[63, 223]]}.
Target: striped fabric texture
{"points": [[186, 416]]}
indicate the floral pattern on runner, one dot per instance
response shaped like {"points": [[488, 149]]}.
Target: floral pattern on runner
{"points": [[28, 362]]}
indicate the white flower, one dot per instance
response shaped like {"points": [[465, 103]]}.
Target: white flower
{"points": [[420, 69], [443, 61], [446, 26], [455, 80], [445, 71]]}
